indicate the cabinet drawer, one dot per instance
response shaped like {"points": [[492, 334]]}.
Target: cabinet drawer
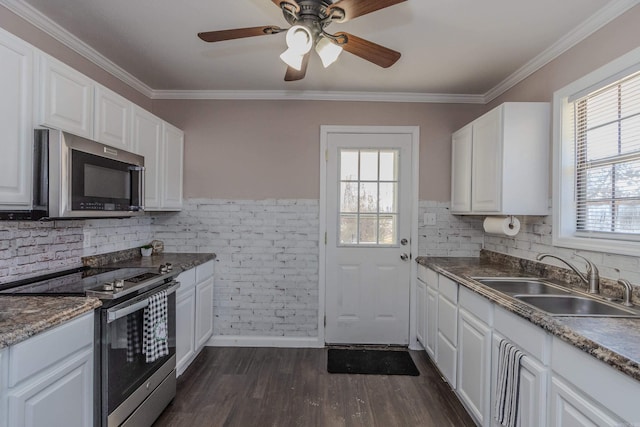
{"points": [[528, 336], [187, 280], [204, 271], [422, 273], [448, 288], [48, 348], [481, 307], [448, 319]]}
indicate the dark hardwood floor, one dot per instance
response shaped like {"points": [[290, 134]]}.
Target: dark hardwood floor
{"points": [[291, 387]]}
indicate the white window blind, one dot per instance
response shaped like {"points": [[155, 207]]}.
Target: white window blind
{"points": [[607, 159]]}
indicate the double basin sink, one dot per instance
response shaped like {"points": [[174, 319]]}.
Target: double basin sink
{"points": [[553, 299]]}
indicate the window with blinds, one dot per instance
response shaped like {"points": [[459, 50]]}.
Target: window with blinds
{"points": [[607, 159]]}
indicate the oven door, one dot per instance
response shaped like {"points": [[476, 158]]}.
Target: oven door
{"points": [[125, 371]]}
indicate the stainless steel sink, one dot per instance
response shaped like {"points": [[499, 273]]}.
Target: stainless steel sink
{"points": [[574, 305], [522, 285]]}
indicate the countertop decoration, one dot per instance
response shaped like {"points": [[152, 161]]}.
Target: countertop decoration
{"points": [[615, 341]]}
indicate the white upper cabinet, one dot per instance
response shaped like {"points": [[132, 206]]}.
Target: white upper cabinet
{"points": [[461, 166], [162, 146], [173, 141], [500, 162], [112, 119], [16, 127], [66, 98], [147, 139]]}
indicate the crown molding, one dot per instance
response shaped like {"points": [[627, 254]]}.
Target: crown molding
{"points": [[42, 22], [319, 96], [605, 15]]}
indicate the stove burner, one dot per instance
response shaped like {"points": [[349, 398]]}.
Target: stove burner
{"points": [[141, 277]]}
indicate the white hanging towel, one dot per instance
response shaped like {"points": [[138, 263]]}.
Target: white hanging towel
{"points": [[155, 328], [508, 384]]}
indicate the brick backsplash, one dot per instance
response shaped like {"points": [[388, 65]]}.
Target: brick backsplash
{"points": [[38, 247], [451, 235], [535, 237]]}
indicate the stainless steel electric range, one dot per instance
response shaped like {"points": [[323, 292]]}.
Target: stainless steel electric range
{"points": [[131, 388]]}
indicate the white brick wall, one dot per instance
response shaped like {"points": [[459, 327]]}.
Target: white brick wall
{"points": [[452, 235], [267, 253], [35, 248]]}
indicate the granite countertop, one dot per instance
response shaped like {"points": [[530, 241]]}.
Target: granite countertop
{"points": [[184, 261], [22, 316], [615, 341]]}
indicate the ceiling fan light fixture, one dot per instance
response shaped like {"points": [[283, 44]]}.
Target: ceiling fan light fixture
{"points": [[292, 59], [328, 51], [299, 39]]}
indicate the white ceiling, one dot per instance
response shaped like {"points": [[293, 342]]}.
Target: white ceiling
{"points": [[459, 47]]}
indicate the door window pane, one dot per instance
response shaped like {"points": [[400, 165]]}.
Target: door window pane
{"points": [[368, 197]]}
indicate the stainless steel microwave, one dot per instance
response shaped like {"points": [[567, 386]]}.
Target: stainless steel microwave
{"points": [[74, 178]]}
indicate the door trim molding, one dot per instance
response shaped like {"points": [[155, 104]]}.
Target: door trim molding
{"points": [[325, 130]]}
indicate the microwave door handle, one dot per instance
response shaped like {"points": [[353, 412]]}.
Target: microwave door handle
{"points": [[114, 315]]}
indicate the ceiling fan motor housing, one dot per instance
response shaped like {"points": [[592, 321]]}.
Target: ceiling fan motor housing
{"points": [[313, 14]]}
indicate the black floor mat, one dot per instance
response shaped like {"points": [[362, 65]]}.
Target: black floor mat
{"points": [[374, 362]]}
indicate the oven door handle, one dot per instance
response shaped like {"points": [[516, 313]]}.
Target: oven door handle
{"points": [[118, 313]]}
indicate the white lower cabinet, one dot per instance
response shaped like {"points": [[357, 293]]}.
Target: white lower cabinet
{"points": [[447, 341], [560, 385], [569, 408], [194, 313], [421, 312], [474, 355], [48, 379]]}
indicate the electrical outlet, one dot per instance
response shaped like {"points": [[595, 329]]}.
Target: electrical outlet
{"points": [[86, 239], [429, 218]]}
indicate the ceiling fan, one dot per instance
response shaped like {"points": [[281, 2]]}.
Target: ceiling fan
{"points": [[308, 20]]}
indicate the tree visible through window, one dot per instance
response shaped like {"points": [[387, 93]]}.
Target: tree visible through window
{"points": [[607, 150]]}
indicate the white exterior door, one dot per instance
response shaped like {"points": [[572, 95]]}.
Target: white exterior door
{"points": [[369, 204]]}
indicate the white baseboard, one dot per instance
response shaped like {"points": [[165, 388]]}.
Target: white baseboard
{"points": [[260, 341]]}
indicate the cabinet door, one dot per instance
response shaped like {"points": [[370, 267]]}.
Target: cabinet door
{"points": [[487, 163], [204, 312], [173, 165], [421, 301], [146, 134], [112, 119], [569, 408], [447, 359], [461, 152], [62, 397], [431, 328], [474, 366], [185, 328], [532, 398], [66, 100], [16, 128]]}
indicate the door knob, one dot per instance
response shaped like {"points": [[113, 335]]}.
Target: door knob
{"points": [[404, 257], [404, 242]]}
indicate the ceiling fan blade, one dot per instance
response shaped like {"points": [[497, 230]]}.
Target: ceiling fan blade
{"points": [[372, 52], [239, 33], [354, 8], [293, 74], [291, 5]]}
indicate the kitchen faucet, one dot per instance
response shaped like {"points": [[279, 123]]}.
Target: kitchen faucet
{"points": [[592, 278]]}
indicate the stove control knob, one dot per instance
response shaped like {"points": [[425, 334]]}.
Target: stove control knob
{"points": [[107, 286], [119, 283], [163, 269], [169, 266]]}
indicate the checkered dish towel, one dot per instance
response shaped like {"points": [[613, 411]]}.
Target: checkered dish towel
{"points": [[155, 328]]}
